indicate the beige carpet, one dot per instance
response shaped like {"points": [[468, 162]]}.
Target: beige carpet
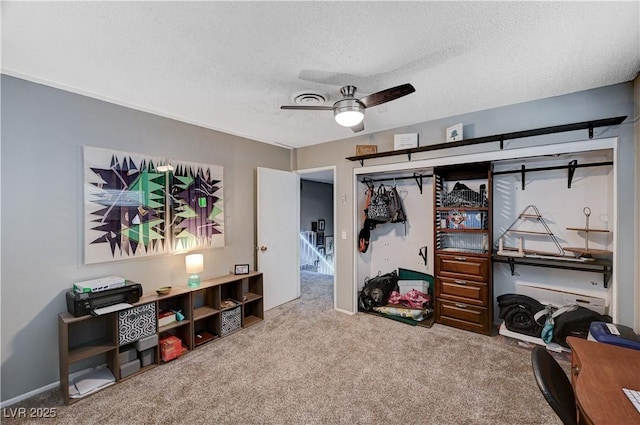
{"points": [[308, 364]]}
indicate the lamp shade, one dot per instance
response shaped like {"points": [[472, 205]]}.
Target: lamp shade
{"points": [[194, 263], [348, 112]]}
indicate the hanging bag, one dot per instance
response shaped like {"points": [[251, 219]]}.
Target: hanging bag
{"points": [[379, 208], [398, 214], [365, 233]]}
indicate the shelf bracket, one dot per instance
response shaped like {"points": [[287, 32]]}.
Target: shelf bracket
{"points": [[606, 275], [409, 155], [522, 172], [501, 142], [361, 162], [418, 178], [571, 171], [512, 266], [590, 131]]}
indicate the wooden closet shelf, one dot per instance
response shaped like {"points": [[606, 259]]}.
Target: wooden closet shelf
{"points": [[587, 230]]}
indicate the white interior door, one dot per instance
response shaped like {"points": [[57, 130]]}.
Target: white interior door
{"points": [[278, 233]]}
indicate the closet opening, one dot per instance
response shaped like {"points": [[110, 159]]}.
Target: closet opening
{"points": [[561, 181]]}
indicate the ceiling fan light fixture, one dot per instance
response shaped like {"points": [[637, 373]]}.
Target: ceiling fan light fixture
{"points": [[348, 112]]}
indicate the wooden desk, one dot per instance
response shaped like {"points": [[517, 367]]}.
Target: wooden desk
{"points": [[598, 374]]}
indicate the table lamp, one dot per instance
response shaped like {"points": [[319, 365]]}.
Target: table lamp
{"points": [[195, 264]]}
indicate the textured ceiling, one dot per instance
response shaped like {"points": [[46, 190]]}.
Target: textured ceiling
{"points": [[229, 66]]}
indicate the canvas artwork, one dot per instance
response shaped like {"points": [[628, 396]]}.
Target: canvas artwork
{"points": [[197, 206], [133, 210]]}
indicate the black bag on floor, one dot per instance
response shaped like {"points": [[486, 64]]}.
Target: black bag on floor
{"points": [[518, 313], [575, 323], [376, 291]]}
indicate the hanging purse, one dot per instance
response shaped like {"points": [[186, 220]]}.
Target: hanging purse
{"points": [[379, 208], [395, 206]]}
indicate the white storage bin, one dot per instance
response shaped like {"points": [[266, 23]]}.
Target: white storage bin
{"points": [[407, 285]]}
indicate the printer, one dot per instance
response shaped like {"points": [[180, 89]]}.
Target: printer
{"points": [[83, 303]]}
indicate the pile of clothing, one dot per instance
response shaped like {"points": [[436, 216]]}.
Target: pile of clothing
{"points": [[414, 305]]}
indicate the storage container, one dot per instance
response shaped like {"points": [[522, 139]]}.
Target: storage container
{"points": [[147, 356], [128, 368], [407, 285], [136, 322], [127, 355], [231, 320], [146, 342]]}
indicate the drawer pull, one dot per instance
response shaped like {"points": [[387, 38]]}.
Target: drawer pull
{"points": [[461, 258], [460, 305], [460, 282], [576, 370]]}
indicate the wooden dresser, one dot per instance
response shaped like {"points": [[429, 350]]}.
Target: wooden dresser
{"points": [[462, 211]]}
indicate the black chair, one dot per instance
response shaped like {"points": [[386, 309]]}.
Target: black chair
{"points": [[555, 385]]}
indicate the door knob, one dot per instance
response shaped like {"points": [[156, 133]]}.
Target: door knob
{"points": [[263, 248]]}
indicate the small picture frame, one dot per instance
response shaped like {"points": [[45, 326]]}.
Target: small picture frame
{"points": [[314, 226], [454, 133], [320, 225], [366, 149], [320, 239], [405, 141], [328, 241], [241, 269]]}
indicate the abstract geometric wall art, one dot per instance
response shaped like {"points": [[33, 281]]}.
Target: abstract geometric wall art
{"points": [[124, 205], [133, 210], [196, 206]]}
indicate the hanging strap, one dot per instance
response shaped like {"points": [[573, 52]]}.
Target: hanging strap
{"points": [[550, 314]]}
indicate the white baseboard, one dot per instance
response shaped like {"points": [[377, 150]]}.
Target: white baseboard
{"points": [[51, 386], [350, 313], [25, 396]]}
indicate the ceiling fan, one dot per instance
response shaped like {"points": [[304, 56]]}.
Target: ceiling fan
{"points": [[349, 111]]}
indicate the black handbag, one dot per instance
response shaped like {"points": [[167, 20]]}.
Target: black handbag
{"points": [[377, 290]]}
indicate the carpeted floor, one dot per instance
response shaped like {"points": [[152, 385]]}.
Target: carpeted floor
{"points": [[308, 364]]}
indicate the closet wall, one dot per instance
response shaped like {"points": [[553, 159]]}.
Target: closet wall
{"points": [[560, 207], [394, 245]]}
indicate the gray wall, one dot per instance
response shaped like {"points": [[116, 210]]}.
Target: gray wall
{"points": [[598, 103], [316, 201], [43, 131]]}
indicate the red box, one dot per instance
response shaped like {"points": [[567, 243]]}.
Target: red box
{"points": [[170, 348]]}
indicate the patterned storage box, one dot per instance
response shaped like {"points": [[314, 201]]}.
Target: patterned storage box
{"points": [[136, 323], [231, 320]]}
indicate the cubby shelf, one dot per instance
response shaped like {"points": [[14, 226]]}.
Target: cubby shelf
{"points": [[91, 339]]}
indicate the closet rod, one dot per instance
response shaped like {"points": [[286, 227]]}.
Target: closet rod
{"points": [[571, 167], [417, 177], [367, 179], [557, 167]]}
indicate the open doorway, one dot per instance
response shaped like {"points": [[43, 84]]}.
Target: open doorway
{"points": [[317, 228]]}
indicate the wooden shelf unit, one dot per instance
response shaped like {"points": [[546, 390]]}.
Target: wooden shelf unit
{"points": [[94, 340], [463, 284]]}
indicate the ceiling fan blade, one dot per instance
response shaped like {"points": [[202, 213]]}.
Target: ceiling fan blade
{"points": [[387, 95], [308, 108], [358, 127]]}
